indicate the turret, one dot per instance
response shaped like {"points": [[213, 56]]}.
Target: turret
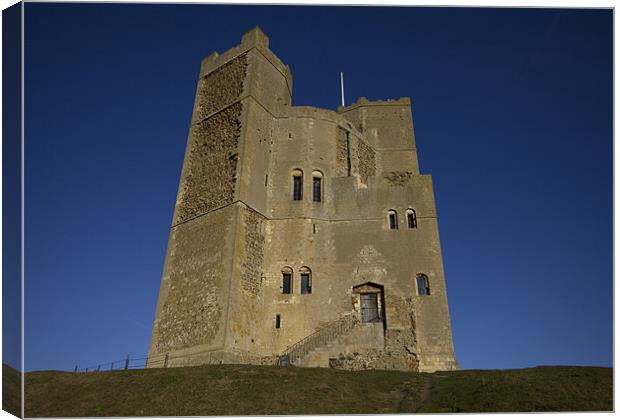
{"points": [[388, 127]]}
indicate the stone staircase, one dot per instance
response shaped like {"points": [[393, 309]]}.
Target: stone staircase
{"points": [[345, 335], [320, 338]]}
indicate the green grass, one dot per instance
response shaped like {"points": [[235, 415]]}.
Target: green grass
{"points": [[11, 390], [540, 389], [254, 390]]}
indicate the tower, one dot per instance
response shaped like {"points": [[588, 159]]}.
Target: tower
{"points": [[300, 235]]}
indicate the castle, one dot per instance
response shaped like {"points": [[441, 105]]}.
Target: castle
{"points": [[300, 235]]}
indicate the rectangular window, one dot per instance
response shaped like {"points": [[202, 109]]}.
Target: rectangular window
{"points": [[278, 321], [287, 283], [306, 285], [297, 188], [393, 222], [316, 189]]}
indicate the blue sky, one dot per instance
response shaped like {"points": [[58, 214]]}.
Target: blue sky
{"points": [[512, 114]]}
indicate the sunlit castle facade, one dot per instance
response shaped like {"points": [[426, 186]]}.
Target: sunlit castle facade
{"points": [[300, 235]]}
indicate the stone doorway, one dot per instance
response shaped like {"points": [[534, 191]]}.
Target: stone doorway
{"points": [[369, 303]]}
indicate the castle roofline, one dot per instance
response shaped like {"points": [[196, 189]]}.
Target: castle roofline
{"points": [[363, 102], [254, 38]]}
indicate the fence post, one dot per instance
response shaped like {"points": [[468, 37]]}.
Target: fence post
{"points": [[112, 366], [127, 363], [75, 370], [166, 361], [146, 363], [98, 368]]}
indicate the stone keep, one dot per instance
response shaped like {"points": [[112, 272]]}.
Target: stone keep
{"points": [[300, 235]]}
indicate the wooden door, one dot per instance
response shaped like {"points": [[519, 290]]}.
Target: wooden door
{"points": [[369, 307]]}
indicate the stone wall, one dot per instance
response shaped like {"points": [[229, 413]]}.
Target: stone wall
{"points": [[193, 289], [187, 317], [398, 178], [366, 161], [375, 359], [220, 87], [342, 153], [254, 251], [400, 351], [218, 357], [356, 157], [386, 124], [211, 165]]}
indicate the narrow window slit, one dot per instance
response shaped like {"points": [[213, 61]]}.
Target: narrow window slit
{"points": [[412, 221], [297, 185], [423, 285], [317, 186], [393, 220], [316, 189], [287, 281], [306, 281]]}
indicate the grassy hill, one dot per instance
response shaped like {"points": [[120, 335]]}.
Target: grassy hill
{"points": [[243, 389], [11, 390]]}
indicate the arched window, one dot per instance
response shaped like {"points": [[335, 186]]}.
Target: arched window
{"points": [[393, 219], [298, 182], [317, 190], [306, 280], [423, 285], [287, 281], [412, 221]]}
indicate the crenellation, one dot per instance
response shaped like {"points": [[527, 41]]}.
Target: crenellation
{"points": [[363, 101], [250, 41]]}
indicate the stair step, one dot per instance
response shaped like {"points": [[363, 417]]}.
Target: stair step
{"points": [[327, 336]]}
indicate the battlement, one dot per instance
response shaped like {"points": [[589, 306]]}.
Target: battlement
{"points": [[363, 102], [387, 124], [257, 37], [253, 39]]}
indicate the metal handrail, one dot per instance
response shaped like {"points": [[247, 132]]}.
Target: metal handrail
{"points": [[320, 337]]}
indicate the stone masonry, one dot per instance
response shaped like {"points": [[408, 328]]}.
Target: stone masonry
{"points": [[300, 235]]}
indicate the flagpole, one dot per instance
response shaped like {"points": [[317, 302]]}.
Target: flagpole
{"points": [[341, 89]]}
